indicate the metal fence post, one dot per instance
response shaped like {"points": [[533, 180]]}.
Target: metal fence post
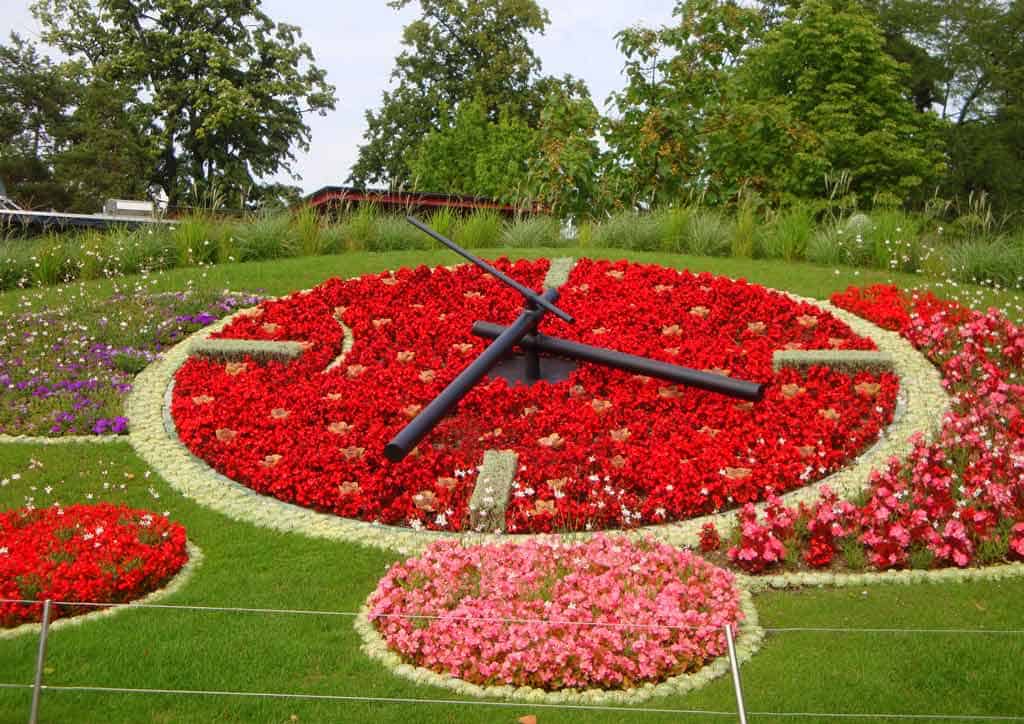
{"points": [[734, 664], [37, 687]]}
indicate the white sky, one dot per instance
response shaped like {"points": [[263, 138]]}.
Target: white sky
{"points": [[356, 42]]}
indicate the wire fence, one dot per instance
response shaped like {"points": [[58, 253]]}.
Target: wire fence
{"points": [[740, 713]]}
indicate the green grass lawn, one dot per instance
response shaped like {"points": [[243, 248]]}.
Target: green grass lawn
{"points": [[246, 566]]}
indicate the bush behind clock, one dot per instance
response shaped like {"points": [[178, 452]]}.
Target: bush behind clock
{"points": [[967, 247]]}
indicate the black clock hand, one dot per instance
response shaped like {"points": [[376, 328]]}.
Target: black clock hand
{"points": [[531, 296]]}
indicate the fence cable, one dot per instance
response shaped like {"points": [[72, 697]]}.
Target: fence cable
{"points": [[485, 619], [821, 716]]}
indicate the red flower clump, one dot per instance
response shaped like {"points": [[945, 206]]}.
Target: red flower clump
{"points": [[709, 538], [603, 449], [83, 553]]}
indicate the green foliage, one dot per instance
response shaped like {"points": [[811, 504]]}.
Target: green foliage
{"points": [[787, 235], [920, 557], [674, 231], [455, 52], [975, 218], [54, 261], [709, 232], [194, 238], [998, 261], [566, 172], [676, 76], [357, 228], [131, 363], [481, 229], [212, 93], [744, 237], [268, 236], [394, 233], [820, 96], [996, 547], [443, 221], [826, 246], [629, 230], [893, 241], [475, 155], [35, 98], [853, 553], [536, 232], [307, 228]]}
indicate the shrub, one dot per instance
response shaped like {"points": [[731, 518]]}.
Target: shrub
{"points": [[629, 230], [788, 234], [306, 229], [54, 261], [16, 264], [826, 247], [443, 221], [266, 237], [892, 241], [194, 238], [709, 233], [394, 233], [533, 232], [156, 247], [356, 228], [996, 261], [479, 230], [746, 228], [673, 228]]}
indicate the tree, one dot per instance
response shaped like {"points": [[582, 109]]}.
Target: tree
{"points": [[567, 172], [459, 51], [557, 163], [474, 155], [676, 76], [987, 147], [101, 153], [821, 96], [217, 90], [34, 102]]}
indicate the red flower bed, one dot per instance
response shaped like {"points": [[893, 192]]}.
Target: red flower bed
{"points": [[603, 449], [955, 501], [608, 613], [84, 553]]}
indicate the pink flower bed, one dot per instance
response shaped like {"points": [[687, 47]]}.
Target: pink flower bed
{"points": [[955, 501], [608, 613]]}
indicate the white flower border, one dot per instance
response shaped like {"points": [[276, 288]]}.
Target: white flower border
{"points": [[748, 641], [923, 402], [63, 440], [180, 579], [780, 581]]}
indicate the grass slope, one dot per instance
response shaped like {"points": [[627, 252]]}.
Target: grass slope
{"points": [[246, 566]]}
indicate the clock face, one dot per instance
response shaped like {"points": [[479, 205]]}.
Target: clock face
{"points": [[601, 449]]}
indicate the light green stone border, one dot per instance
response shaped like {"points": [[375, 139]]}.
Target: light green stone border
{"points": [[178, 582], [921, 407], [748, 641]]}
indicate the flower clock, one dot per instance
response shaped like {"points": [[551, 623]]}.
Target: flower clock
{"points": [[83, 554], [304, 393]]}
